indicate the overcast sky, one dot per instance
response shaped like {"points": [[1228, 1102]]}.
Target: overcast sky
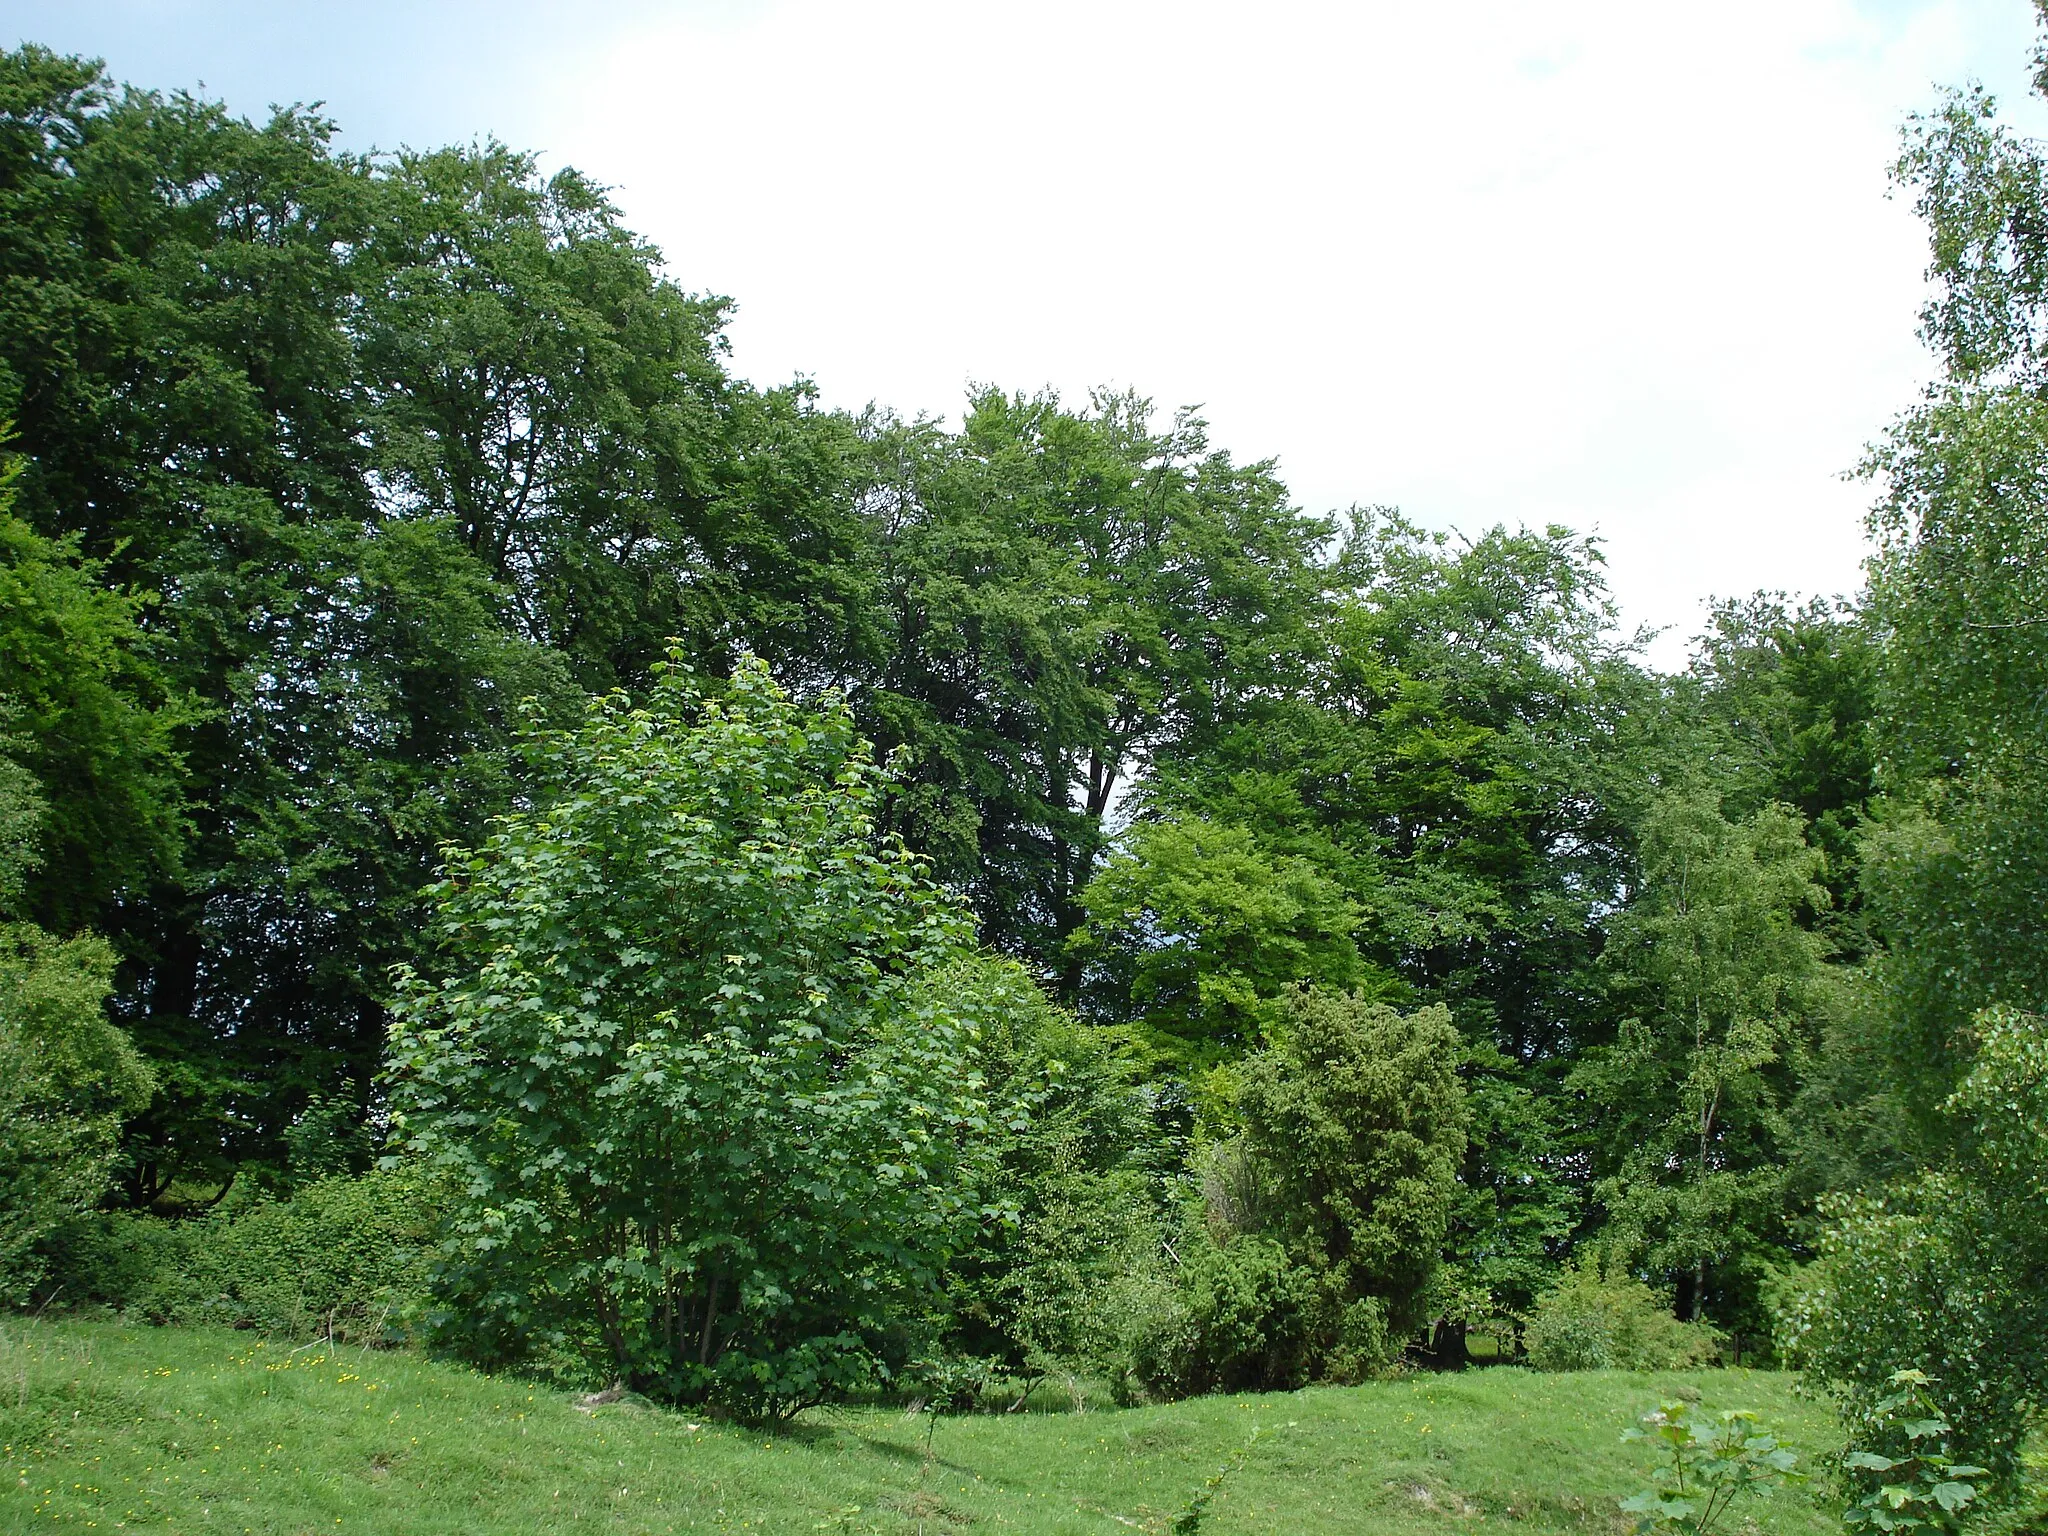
{"points": [[1629, 266]]}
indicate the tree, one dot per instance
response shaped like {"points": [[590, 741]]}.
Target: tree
{"points": [[1959, 605], [1787, 696], [533, 378], [1195, 933], [1958, 857], [1939, 1271], [87, 716], [1456, 749], [1356, 1120], [1730, 990], [90, 798], [1946, 1272], [371, 449], [676, 1056], [1065, 598]]}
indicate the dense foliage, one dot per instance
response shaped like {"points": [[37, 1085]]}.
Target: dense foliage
{"points": [[676, 1062], [347, 1259], [1598, 1316], [1354, 1127], [659, 879]]}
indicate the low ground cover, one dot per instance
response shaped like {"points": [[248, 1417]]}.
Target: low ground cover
{"points": [[106, 1426]]}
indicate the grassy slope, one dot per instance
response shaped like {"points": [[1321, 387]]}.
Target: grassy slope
{"points": [[111, 1427]]}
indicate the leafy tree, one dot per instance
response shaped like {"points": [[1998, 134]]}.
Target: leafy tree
{"points": [[1064, 598], [1196, 932], [1959, 607], [68, 1078], [1790, 693], [90, 796], [1786, 712], [1356, 1121], [1944, 1273], [395, 443], [1730, 991], [177, 350], [706, 1122], [89, 719], [1959, 856], [532, 378], [1938, 1271], [1454, 752], [1441, 755]]}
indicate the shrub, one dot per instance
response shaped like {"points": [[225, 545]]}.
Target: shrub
{"points": [[702, 1116], [1049, 1284], [67, 1079], [1244, 1318], [1079, 1260], [1598, 1318], [1357, 1120], [1924, 1277], [1942, 1274], [1909, 1482], [1705, 1467], [347, 1257]]}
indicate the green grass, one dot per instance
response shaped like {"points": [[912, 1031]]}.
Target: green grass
{"points": [[110, 1427]]}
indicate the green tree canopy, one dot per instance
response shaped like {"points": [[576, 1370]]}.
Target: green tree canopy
{"points": [[1195, 932], [1067, 597], [1729, 992]]}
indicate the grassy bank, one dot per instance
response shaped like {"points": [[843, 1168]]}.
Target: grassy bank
{"points": [[110, 1427]]}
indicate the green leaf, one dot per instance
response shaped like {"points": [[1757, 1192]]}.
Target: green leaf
{"points": [[1953, 1496]]}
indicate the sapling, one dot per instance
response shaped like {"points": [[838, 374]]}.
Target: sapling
{"points": [[1922, 1486], [1705, 1468]]}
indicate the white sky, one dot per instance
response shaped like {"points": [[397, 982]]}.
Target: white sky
{"points": [[1627, 266]]}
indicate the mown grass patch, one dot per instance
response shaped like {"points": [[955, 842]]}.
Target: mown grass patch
{"points": [[111, 1427]]}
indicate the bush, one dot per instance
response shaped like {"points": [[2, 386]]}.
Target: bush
{"points": [[347, 1257], [1924, 1277], [1704, 1468], [1897, 1472], [1942, 1274], [704, 1118], [1243, 1315], [1243, 1318], [1050, 1283], [1356, 1122], [67, 1079], [1089, 1245], [1596, 1318]]}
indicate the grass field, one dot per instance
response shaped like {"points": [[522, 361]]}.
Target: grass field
{"points": [[116, 1428]]}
